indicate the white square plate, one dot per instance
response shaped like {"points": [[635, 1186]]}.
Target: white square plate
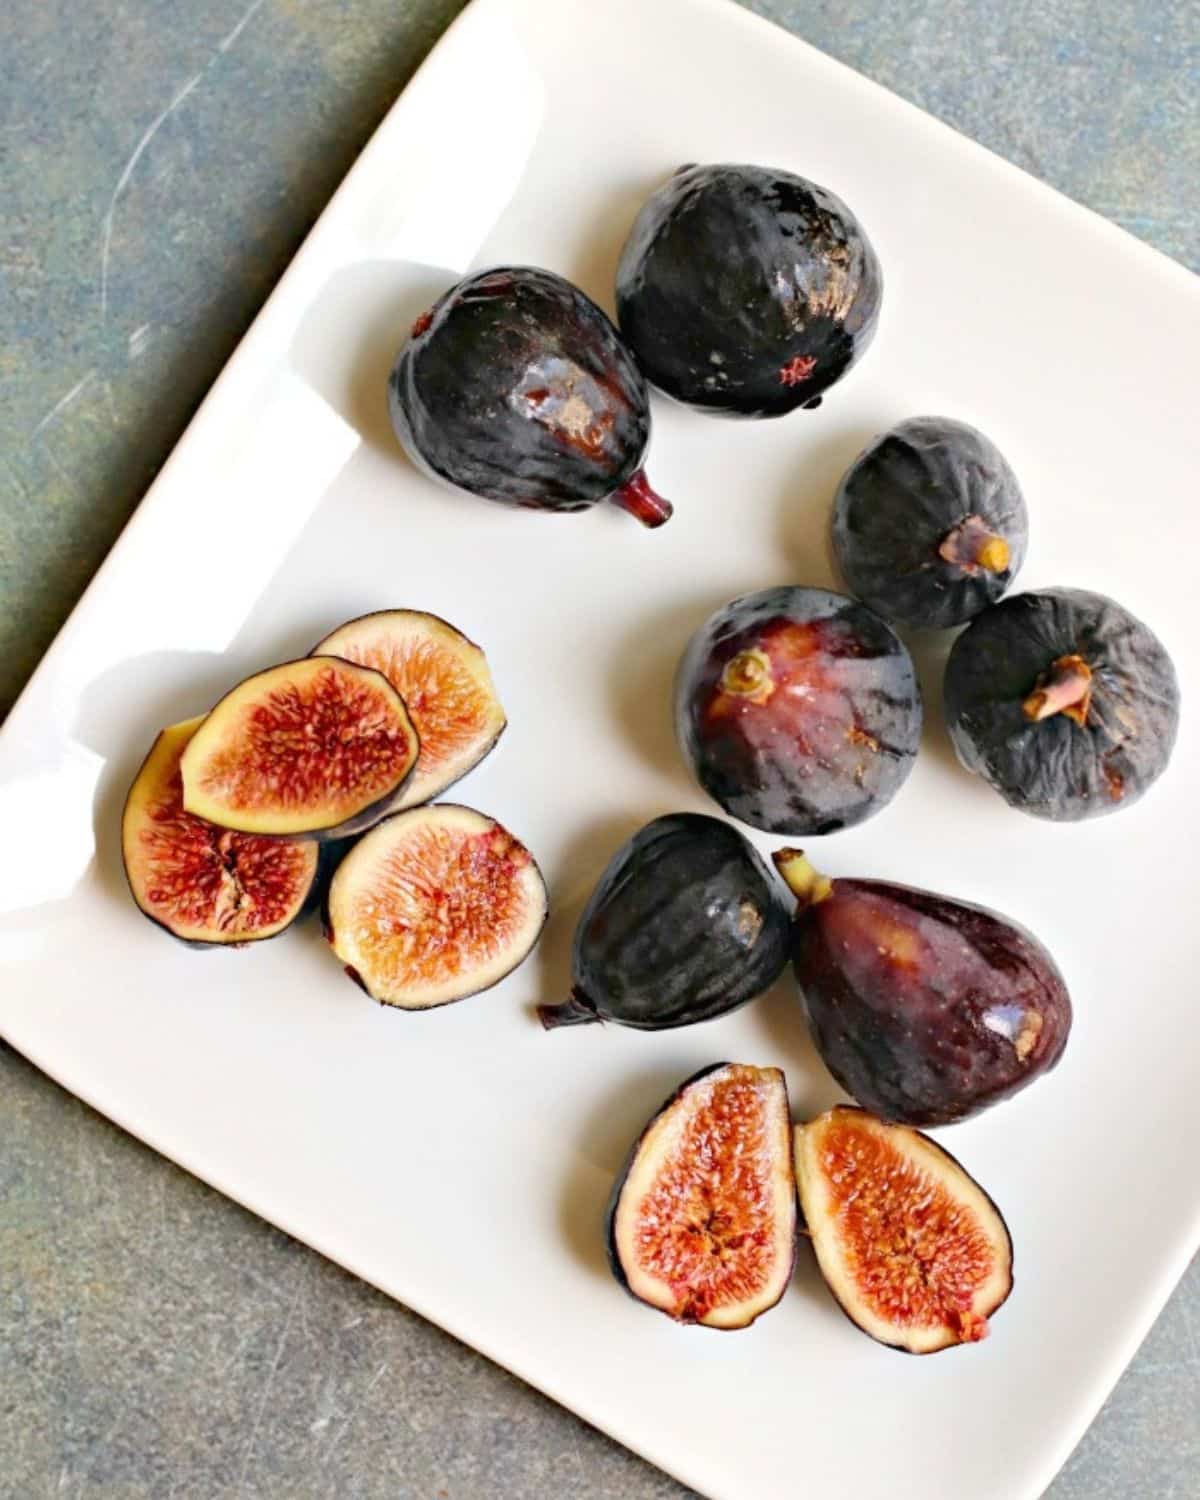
{"points": [[461, 1159]]}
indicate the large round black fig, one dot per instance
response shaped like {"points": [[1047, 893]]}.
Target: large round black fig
{"points": [[929, 524], [798, 710], [1065, 702], [517, 387], [685, 925], [747, 291]]}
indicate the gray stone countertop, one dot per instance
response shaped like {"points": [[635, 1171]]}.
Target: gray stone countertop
{"points": [[158, 1341]]}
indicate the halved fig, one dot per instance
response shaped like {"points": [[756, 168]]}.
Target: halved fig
{"points": [[702, 1223], [207, 886], [446, 685], [433, 905], [318, 748], [911, 1246]]}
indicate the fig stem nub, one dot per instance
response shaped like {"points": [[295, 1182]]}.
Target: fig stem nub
{"points": [[636, 496], [806, 884], [748, 675], [576, 1010], [972, 545], [1064, 688]]}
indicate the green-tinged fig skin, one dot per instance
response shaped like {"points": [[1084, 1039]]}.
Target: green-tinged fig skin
{"points": [[686, 924], [1054, 767], [614, 1198], [746, 291], [898, 508], [926, 1010]]}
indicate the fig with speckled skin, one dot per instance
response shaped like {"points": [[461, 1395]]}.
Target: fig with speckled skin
{"points": [[925, 1009], [747, 291], [1064, 702]]}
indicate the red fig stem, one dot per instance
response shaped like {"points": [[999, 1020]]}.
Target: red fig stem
{"points": [[636, 496], [578, 1010], [805, 883], [1065, 688]]}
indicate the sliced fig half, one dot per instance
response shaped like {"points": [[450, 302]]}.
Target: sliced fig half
{"points": [[318, 748], [205, 885], [702, 1223], [911, 1246], [433, 905], [446, 685]]}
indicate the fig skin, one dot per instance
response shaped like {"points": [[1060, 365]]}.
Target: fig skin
{"points": [[685, 925], [944, 1186], [925, 1009], [216, 873], [798, 710], [929, 524], [785, 1234], [516, 387], [1103, 737], [746, 291], [392, 641]]}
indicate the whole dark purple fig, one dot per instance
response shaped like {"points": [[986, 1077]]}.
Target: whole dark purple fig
{"points": [[924, 1008], [517, 387], [929, 524], [747, 291], [1065, 702]]}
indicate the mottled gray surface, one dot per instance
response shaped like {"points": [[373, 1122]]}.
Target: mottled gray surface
{"points": [[159, 163]]}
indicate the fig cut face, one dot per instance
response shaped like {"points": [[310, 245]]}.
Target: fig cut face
{"points": [[205, 885], [433, 905], [703, 1221], [911, 1246], [318, 748], [446, 686]]}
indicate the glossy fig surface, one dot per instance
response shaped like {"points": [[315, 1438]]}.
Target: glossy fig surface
{"points": [[929, 523], [911, 1246], [434, 904], [798, 710], [1064, 702], [445, 682], [702, 1222], [686, 924], [747, 291], [517, 387], [925, 1009], [205, 885]]}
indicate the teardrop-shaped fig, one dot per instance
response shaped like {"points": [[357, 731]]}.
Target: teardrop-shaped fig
{"points": [[925, 1009], [911, 1246], [685, 925], [317, 748], [702, 1222], [205, 885], [433, 905], [446, 685], [517, 387]]}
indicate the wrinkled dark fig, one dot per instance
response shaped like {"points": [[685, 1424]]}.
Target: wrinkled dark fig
{"points": [[517, 387], [207, 886], [911, 1246], [798, 710], [686, 924], [1065, 702], [926, 1010], [317, 748], [747, 291], [929, 524], [446, 686], [433, 905], [702, 1222]]}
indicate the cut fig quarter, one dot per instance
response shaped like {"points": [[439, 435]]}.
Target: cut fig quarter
{"points": [[207, 886], [433, 905], [318, 748], [925, 1009], [914, 1250], [446, 685], [702, 1222]]}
